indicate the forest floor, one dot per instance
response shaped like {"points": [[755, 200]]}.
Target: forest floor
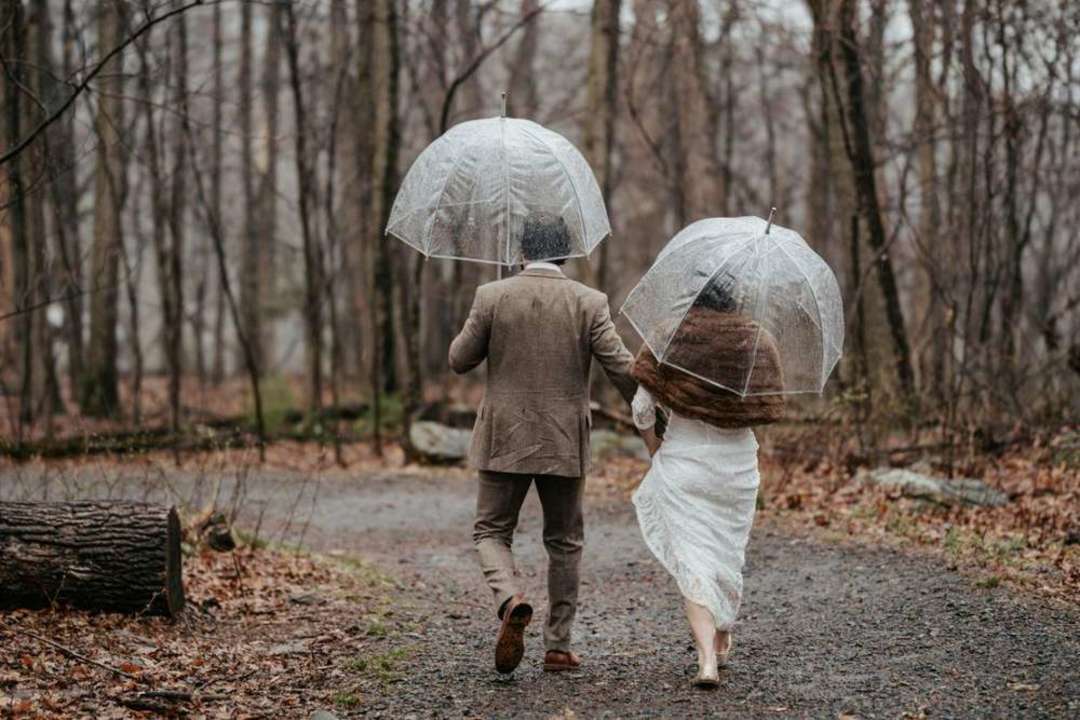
{"points": [[834, 623]]}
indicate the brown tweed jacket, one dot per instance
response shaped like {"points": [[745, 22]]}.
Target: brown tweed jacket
{"points": [[538, 332]]}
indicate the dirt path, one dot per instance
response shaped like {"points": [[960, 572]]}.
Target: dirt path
{"points": [[826, 630]]}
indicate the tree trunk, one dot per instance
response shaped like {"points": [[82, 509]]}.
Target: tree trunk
{"points": [[313, 256], [250, 249], [523, 101], [64, 191], [602, 84], [14, 46], [385, 139], [358, 188], [174, 288], [939, 261], [217, 363], [99, 395], [863, 171], [695, 176], [110, 555], [266, 195]]}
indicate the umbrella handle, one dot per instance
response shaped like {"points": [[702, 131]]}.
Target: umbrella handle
{"points": [[768, 227]]}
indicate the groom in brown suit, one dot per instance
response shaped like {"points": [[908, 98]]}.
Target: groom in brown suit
{"points": [[539, 332]]}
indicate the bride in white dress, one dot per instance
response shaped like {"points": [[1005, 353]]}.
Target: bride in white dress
{"points": [[696, 504]]}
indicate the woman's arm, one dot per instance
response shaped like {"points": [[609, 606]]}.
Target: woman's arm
{"points": [[644, 408], [652, 442]]}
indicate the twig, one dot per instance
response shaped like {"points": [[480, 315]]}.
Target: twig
{"points": [[138, 703], [77, 656]]}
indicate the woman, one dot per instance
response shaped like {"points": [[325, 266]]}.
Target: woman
{"points": [[696, 504]]}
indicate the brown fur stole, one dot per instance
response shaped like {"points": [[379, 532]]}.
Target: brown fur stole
{"points": [[719, 346]]}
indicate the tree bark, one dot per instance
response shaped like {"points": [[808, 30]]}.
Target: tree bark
{"points": [[99, 395], [111, 555]]}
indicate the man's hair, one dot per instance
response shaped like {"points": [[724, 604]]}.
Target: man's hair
{"points": [[545, 237]]}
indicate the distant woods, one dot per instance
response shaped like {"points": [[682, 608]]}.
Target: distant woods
{"points": [[209, 206]]}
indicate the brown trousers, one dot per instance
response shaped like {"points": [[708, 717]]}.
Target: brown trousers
{"points": [[498, 504]]}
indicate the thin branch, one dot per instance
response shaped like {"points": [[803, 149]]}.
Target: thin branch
{"points": [[82, 86], [473, 66], [74, 655]]}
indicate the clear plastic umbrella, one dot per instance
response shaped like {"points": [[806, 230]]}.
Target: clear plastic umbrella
{"points": [[748, 269], [469, 193]]}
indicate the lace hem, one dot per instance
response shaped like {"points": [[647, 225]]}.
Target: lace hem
{"points": [[658, 532]]}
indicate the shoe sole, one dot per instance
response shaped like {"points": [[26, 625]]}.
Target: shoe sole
{"points": [[510, 646], [704, 684], [560, 668]]}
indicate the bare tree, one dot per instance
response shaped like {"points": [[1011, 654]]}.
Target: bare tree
{"points": [[251, 247], [173, 260], [99, 392], [313, 254], [385, 140], [863, 170]]}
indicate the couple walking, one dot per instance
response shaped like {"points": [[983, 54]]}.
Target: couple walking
{"points": [[539, 333]]}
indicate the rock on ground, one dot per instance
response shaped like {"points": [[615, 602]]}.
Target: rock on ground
{"points": [[944, 491]]}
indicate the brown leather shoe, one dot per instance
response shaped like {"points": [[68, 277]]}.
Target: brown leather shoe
{"points": [[510, 644], [559, 661]]}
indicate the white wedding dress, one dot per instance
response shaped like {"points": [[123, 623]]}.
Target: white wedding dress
{"points": [[696, 505]]}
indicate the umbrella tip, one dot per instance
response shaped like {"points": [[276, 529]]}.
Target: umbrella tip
{"points": [[768, 227], [505, 94]]}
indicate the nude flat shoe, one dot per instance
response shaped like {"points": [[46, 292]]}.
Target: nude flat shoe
{"points": [[704, 681]]}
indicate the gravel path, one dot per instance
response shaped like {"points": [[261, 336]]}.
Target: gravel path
{"points": [[826, 630]]}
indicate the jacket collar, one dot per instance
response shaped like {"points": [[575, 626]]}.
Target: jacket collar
{"points": [[542, 272]]}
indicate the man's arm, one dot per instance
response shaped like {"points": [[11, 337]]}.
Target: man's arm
{"points": [[470, 347], [611, 353]]}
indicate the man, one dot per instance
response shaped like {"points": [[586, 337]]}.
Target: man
{"points": [[539, 332]]}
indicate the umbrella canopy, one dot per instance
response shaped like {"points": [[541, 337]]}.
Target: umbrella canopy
{"points": [[747, 269], [469, 193]]}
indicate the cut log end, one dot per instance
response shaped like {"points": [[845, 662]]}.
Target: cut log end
{"points": [[174, 571]]}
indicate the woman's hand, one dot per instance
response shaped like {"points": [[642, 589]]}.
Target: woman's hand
{"points": [[652, 442]]}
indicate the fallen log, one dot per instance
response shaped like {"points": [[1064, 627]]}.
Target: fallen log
{"points": [[114, 556]]}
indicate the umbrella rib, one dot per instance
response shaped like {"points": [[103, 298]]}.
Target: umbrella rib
{"points": [[570, 179], [506, 161], [817, 306]]}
